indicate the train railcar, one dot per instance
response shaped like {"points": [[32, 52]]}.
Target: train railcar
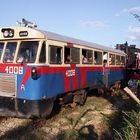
{"points": [[37, 67], [132, 60]]}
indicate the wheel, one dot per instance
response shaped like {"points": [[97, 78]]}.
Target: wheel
{"points": [[47, 108], [83, 97], [80, 97]]}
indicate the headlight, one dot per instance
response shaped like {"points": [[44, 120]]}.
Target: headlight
{"points": [[34, 73], [7, 32]]}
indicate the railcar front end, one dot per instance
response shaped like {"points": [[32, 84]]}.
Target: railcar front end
{"points": [[20, 92]]}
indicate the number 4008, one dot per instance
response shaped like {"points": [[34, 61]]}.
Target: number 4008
{"points": [[14, 70]]}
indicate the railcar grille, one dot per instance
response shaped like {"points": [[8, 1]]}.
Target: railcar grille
{"points": [[7, 85]]}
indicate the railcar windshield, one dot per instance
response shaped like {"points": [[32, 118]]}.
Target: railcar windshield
{"points": [[1, 48], [27, 51], [10, 52]]}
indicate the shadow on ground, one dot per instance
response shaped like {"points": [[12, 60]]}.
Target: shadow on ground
{"points": [[20, 133]]}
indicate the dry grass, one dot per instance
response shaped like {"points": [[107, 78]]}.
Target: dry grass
{"points": [[82, 122]]}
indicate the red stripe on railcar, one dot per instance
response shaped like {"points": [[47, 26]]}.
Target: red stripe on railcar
{"points": [[83, 77], [66, 81], [75, 77], [25, 79], [70, 44]]}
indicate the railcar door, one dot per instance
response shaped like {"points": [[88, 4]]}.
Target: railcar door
{"points": [[105, 70]]}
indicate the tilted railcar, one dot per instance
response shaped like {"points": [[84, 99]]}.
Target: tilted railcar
{"points": [[37, 67]]}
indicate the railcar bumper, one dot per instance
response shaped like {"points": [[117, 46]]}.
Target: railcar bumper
{"points": [[24, 108]]}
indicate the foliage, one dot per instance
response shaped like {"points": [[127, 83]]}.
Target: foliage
{"points": [[129, 128], [74, 133]]}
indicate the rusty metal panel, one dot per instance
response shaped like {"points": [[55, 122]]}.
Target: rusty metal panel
{"points": [[8, 84]]}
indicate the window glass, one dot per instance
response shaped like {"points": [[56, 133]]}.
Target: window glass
{"points": [[42, 58], [111, 59], [118, 60], [67, 55], [122, 60], [55, 55], [1, 48], [75, 55], [72, 55], [105, 56], [27, 52], [87, 56], [97, 58], [10, 52]]}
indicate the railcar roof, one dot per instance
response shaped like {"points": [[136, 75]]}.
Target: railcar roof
{"points": [[58, 37]]}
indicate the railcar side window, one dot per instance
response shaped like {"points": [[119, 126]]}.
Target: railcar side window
{"points": [[1, 48], [72, 55], [118, 60], [105, 56], [10, 52], [67, 55], [111, 59], [27, 52], [87, 56], [122, 60], [42, 58], [75, 55], [55, 54], [98, 58]]}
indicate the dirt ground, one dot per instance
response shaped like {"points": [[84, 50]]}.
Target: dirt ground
{"points": [[82, 122], [90, 121]]}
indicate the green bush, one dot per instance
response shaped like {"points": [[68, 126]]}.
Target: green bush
{"points": [[130, 125]]}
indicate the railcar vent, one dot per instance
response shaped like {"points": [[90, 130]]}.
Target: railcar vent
{"points": [[7, 85]]}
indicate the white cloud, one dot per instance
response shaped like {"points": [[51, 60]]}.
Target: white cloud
{"points": [[134, 33], [131, 10], [134, 29], [92, 24], [132, 37], [134, 9]]}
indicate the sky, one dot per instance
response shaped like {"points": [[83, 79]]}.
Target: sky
{"points": [[105, 22]]}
